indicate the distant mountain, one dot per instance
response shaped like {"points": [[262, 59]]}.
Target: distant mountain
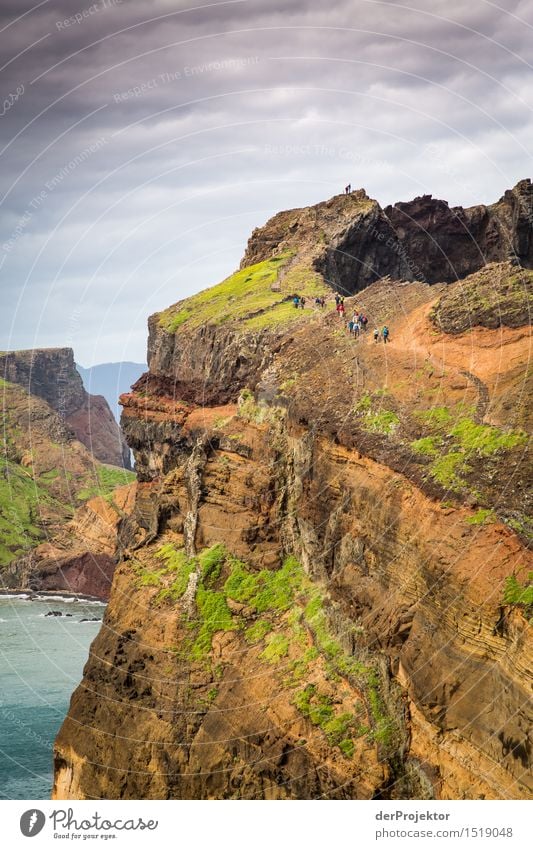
{"points": [[50, 374], [111, 380]]}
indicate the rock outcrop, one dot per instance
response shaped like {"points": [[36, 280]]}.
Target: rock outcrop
{"points": [[317, 596], [53, 533], [51, 374], [81, 555], [355, 242]]}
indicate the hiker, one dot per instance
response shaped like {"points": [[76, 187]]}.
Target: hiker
{"points": [[296, 301], [322, 302], [364, 321], [376, 334], [347, 190], [337, 299], [341, 308], [385, 333], [317, 301], [302, 302], [356, 329], [350, 327]]}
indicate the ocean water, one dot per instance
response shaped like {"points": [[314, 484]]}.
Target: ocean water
{"points": [[41, 663]]}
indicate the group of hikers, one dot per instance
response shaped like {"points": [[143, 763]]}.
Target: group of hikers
{"points": [[299, 301], [357, 323]]}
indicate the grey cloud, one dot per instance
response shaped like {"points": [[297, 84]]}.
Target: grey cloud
{"points": [[286, 103]]}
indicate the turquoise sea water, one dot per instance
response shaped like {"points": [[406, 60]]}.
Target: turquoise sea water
{"points": [[41, 663]]}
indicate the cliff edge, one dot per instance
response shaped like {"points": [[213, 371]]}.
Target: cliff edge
{"points": [[51, 374], [325, 585]]}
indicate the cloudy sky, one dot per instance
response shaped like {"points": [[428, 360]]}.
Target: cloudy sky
{"points": [[142, 142]]}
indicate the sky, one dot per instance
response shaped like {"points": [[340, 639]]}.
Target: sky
{"points": [[141, 143]]}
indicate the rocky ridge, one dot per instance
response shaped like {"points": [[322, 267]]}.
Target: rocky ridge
{"points": [[316, 595], [48, 481], [51, 374]]}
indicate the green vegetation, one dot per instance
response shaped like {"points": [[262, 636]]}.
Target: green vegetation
{"points": [[448, 468], [485, 439], [347, 748], [377, 421], [318, 708], [482, 516], [343, 664], [257, 632], [384, 421], [364, 403], [427, 445], [240, 296], [210, 561], [214, 615], [265, 590], [21, 500], [105, 480], [288, 383], [49, 476], [315, 706], [437, 417], [292, 622], [457, 440], [39, 478], [177, 564], [522, 526], [220, 422], [280, 314], [516, 594], [248, 297], [277, 647]]}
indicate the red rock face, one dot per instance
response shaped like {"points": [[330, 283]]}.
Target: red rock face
{"points": [[95, 427], [81, 555], [88, 574], [51, 374]]}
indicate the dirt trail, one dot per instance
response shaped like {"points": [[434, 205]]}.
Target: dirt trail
{"points": [[481, 352]]}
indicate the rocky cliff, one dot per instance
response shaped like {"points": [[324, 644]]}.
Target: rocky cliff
{"points": [[324, 590], [51, 374], [353, 242], [49, 483]]}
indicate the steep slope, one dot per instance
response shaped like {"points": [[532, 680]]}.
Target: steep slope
{"points": [[51, 374], [45, 475], [324, 590], [111, 380]]}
